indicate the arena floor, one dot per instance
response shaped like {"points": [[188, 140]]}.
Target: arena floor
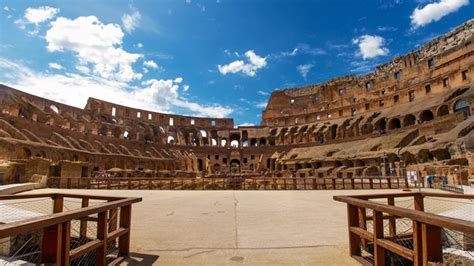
{"points": [[237, 227]]}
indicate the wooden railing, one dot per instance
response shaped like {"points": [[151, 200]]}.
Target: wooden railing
{"points": [[452, 188], [97, 228], [260, 183], [421, 244]]}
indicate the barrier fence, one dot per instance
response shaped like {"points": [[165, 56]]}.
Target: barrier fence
{"points": [[64, 229], [263, 183], [411, 228]]}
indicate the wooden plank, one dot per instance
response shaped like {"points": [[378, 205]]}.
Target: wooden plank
{"points": [[58, 202], [417, 244], [117, 233], [395, 248], [84, 249], [362, 233], [83, 225]]}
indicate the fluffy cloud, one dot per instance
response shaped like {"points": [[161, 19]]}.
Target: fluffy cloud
{"points": [[371, 46], [435, 11], [304, 69], [55, 66], [185, 87], [40, 14], [74, 89], [250, 68], [264, 93], [94, 43], [262, 105], [150, 64], [131, 21]]}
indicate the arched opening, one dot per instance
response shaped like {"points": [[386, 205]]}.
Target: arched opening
{"points": [[235, 166], [23, 153], [462, 105], [262, 142], [394, 123], [170, 140], [443, 110], [426, 116], [213, 142], [223, 142], [54, 108], [333, 131], [200, 165], [409, 120], [253, 142], [367, 129], [235, 141], [381, 125], [216, 168], [245, 143]]}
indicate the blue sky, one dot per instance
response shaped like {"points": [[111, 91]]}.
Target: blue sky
{"points": [[206, 58]]}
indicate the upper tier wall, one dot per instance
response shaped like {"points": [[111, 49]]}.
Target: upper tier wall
{"points": [[391, 83]]}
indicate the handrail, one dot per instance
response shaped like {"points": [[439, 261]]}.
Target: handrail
{"points": [[56, 218], [416, 215]]}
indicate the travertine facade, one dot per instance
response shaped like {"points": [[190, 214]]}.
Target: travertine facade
{"points": [[412, 113]]}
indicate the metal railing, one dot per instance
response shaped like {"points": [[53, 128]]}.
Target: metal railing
{"points": [[246, 183]]}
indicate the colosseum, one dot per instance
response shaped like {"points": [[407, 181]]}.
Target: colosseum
{"points": [[412, 114]]}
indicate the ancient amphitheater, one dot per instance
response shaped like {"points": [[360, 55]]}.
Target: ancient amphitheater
{"points": [[389, 129]]}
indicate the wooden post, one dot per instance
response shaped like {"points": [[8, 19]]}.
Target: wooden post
{"points": [[125, 222], [58, 202], [417, 244], [418, 202], [66, 243], [379, 252], [102, 235], [371, 183], [352, 184], [363, 223], [354, 239], [333, 183], [432, 244], [51, 247], [83, 226], [392, 221]]}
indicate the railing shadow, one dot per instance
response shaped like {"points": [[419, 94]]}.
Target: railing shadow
{"points": [[135, 258]]}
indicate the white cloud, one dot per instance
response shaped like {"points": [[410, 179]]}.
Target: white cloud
{"points": [[83, 69], [188, 1], [246, 125], [94, 43], [150, 64], [185, 87], [6, 8], [139, 45], [74, 89], [304, 69], [55, 66], [255, 62], [371, 46], [178, 80], [264, 93], [131, 21], [40, 14], [435, 11], [262, 105]]}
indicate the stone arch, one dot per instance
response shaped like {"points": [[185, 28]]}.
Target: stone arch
{"points": [[333, 131], [366, 128], [462, 105], [235, 140], [394, 123], [253, 142], [234, 166], [426, 116], [381, 125], [409, 120], [23, 153], [442, 110], [262, 142]]}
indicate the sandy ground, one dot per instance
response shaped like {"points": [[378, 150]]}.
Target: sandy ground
{"points": [[237, 227]]}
